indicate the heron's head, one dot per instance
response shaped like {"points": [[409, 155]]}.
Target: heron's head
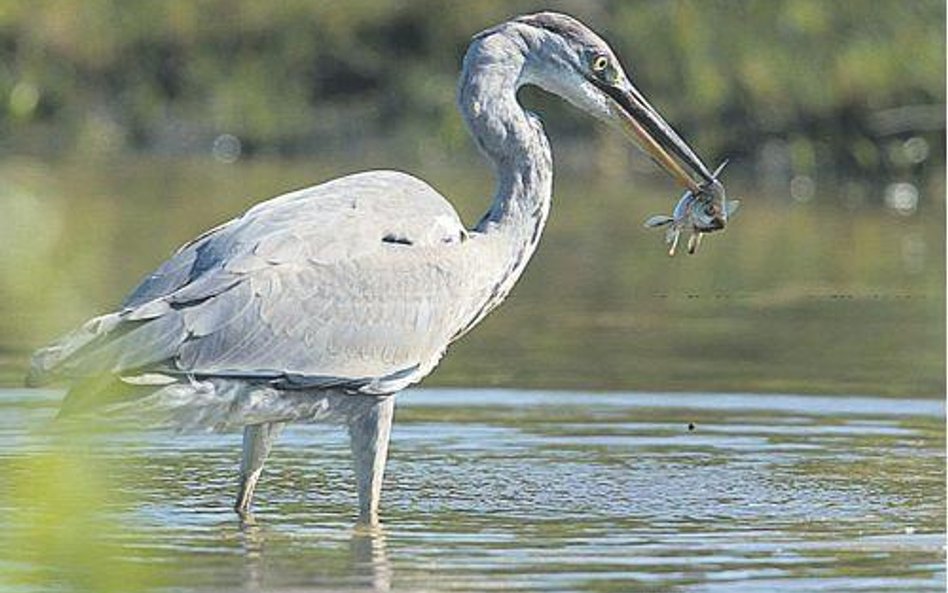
{"points": [[566, 58]]}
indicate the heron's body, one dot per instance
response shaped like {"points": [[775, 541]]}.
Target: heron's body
{"points": [[325, 302], [360, 282]]}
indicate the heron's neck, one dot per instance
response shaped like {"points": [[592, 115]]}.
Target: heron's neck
{"points": [[514, 141], [511, 138]]}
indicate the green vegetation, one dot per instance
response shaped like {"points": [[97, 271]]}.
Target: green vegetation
{"points": [[814, 88], [60, 505]]}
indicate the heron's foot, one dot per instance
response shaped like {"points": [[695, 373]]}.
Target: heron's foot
{"points": [[369, 522], [246, 519], [245, 490], [258, 440], [368, 527]]}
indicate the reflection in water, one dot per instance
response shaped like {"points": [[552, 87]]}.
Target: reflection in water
{"points": [[365, 566], [252, 542], [530, 491], [369, 558]]}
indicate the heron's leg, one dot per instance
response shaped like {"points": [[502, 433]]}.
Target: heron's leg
{"points": [[369, 433], [258, 439]]}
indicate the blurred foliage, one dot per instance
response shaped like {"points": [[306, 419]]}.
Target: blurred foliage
{"points": [[808, 89], [61, 531]]}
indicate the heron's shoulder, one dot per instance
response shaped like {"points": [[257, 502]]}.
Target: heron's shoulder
{"points": [[383, 190], [350, 217]]}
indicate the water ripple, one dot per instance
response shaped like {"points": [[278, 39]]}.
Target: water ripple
{"points": [[497, 490]]}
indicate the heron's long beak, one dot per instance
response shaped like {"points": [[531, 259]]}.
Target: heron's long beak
{"points": [[640, 121]]}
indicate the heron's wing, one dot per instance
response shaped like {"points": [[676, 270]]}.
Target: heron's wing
{"points": [[335, 220], [177, 271], [349, 282], [374, 323]]}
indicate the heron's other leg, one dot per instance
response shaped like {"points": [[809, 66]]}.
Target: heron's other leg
{"points": [[258, 439], [369, 433]]}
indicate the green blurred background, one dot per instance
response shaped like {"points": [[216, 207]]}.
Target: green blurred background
{"points": [[128, 127]]}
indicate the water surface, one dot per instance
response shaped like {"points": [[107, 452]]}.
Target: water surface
{"points": [[499, 490]]}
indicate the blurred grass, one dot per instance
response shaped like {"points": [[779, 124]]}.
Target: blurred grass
{"points": [[793, 297], [841, 84], [61, 505]]}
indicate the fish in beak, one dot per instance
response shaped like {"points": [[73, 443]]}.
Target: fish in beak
{"points": [[701, 213], [704, 207]]}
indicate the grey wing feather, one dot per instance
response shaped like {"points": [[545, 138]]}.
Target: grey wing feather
{"points": [[188, 262], [301, 287]]}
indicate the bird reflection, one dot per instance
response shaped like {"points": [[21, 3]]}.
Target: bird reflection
{"points": [[369, 557], [365, 566], [252, 541]]}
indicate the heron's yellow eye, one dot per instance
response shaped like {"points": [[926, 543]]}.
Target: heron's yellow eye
{"points": [[600, 63]]}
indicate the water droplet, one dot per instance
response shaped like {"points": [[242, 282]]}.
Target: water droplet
{"points": [[902, 197], [915, 150], [802, 188], [226, 148]]}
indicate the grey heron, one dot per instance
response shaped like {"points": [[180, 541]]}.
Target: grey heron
{"points": [[323, 303]]}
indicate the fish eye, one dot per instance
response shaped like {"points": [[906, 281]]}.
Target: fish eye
{"points": [[711, 209]]}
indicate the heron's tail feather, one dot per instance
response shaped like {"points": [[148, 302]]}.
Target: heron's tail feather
{"points": [[117, 343], [59, 357]]}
